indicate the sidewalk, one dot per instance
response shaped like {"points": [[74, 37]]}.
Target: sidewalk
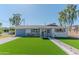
{"points": [[5, 40], [65, 47]]}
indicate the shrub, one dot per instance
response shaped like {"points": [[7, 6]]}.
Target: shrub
{"points": [[1, 30]]}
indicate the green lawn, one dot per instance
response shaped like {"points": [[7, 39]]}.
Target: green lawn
{"points": [[72, 42], [31, 46]]}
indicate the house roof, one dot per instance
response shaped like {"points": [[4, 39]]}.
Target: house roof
{"points": [[52, 24], [36, 26]]}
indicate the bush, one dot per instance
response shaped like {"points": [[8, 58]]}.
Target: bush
{"points": [[1, 30]]}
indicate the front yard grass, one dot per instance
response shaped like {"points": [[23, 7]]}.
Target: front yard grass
{"points": [[72, 42], [31, 46]]}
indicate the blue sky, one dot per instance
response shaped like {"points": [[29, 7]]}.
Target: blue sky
{"points": [[40, 14]]}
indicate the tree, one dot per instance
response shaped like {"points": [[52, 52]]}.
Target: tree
{"points": [[62, 18], [69, 15], [1, 30], [15, 20], [0, 24], [72, 14]]}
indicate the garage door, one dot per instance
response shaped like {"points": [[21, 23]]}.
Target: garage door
{"points": [[20, 32]]}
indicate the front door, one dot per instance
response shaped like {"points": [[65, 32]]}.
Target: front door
{"points": [[46, 33]]}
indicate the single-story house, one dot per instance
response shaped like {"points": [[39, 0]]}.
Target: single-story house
{"points": [[44, 31], [41, 30]]}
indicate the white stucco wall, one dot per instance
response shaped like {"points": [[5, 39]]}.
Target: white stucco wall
{"points": [[28, 30]]}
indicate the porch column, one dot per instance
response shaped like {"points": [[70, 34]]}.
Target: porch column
{"points": [[52, 32], [40, 32]]}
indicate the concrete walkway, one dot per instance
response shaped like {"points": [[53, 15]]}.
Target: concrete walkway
{"points": [[5, 40], [65, 47]]}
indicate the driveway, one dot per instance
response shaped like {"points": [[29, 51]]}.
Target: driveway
{"points": [[5, 40]]}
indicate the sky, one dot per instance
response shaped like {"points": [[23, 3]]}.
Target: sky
{"points": [[33, 14]]}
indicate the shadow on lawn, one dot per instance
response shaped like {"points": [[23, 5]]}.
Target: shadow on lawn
{"points": [[60, 38], [33, 37], [45, 38]]}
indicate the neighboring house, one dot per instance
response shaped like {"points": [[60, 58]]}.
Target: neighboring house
{"points": [[6, 29], [74, 32], [41, 31]]}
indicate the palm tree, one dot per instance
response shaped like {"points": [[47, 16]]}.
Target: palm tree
{"points": [[69, 15], [62, 18], [72, 14]]}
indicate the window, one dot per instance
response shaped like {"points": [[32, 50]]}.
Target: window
{"points": [[59, 30], [35, 32]]}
